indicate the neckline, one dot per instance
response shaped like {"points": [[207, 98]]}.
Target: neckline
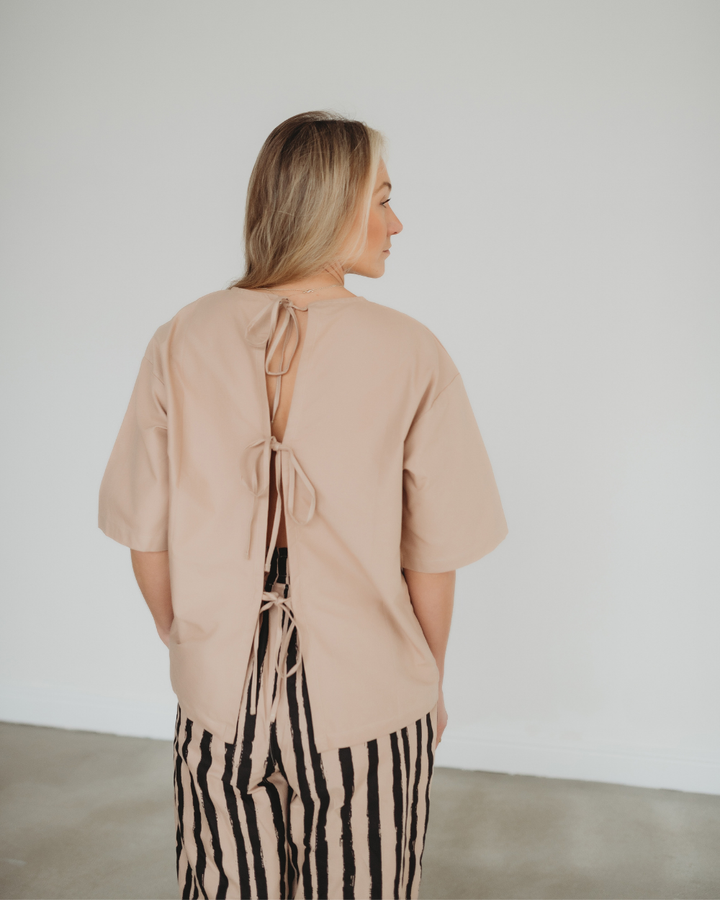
{"points": [[272, 297]]}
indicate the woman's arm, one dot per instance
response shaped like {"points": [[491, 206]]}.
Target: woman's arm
{"points": [[432, 595], [152, 571]]}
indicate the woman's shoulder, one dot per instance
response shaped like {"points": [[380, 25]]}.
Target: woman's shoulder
{"points": [[211, 311], [404, 333]]}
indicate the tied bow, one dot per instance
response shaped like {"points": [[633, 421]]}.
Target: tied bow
{"points": [[272, 598], [263, 325], [286, 466]]}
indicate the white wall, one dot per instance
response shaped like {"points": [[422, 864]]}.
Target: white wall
{"points": [[555, 167]]}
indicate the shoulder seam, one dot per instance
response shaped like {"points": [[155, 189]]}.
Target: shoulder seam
{"points": [[152, 367], [437, 397]]}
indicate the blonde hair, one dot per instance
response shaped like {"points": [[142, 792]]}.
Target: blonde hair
{"points": [[310, 186]]}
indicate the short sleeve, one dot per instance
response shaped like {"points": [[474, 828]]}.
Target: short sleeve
{"points": [[452, 515], [133, 507]]}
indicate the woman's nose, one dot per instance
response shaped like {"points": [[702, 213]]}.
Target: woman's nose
{"points": [[396, 225]]}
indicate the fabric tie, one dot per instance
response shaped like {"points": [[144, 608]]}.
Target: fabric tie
{"points": [[284, 631], [286, 465], [258, 333], [263, 325]]}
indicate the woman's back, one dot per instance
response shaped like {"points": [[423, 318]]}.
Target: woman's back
{"points": [[384, 468]]}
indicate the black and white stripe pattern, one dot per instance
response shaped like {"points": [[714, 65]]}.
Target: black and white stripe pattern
{"points": [[269, 817]]}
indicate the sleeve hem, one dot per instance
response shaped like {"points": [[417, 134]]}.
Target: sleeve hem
{"points": [[455, 561], [131, 540]]}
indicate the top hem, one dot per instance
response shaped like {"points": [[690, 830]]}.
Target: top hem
{"points": [[388, 726], [332, 740]]}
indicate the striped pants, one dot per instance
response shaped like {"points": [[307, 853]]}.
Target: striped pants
{"points": [[268, 816]]}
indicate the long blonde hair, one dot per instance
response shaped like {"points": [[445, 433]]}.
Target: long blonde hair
{"points": [[311, 184]]}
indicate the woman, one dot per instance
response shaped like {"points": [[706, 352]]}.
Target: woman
{"points": [[298, 475]]}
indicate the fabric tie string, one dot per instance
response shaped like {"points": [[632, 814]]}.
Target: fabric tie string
{"points": [[286, 467], [257, 333], [263, 325], [270, 599]]}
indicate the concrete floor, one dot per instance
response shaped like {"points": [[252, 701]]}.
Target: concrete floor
{"points": [[86, 815]]}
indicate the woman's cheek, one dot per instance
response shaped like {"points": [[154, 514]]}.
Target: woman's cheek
{"points": [[376, 232]]}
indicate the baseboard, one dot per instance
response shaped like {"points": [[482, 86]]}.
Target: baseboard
{"points": [[70, 708], [479, 749], [646, 767]]}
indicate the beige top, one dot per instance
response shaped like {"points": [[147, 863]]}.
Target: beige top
{"points": [[381, 467]]}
